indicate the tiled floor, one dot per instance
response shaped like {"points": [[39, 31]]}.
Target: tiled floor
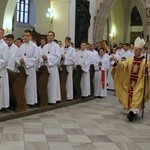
{"points": [[99, 124]]}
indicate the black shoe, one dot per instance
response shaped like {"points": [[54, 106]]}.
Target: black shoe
{"points": [[51, 104], [96, 96], [31, 106], [84, 97], [100, 97], [4, 110], [131, 116]]}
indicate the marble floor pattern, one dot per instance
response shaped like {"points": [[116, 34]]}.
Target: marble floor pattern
{"points": [[99, 124]]}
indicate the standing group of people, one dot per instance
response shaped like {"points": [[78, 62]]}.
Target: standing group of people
{"points": [[117, 68], [32, 57]]}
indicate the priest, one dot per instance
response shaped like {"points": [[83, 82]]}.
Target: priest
{"points": [[129, 78]]}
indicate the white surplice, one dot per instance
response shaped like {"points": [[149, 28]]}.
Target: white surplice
{"points": [[52, 51], [84, 60], [29, 52], [94, 58], [4, 83], [109, 78], [70, 59], [39, 53], [100, 85], [12, 56], [126, 54], [119, 51]]}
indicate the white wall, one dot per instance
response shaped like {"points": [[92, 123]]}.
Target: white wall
{"points": [[42, 22], [72, 19], [60, 24], [117, 23]]}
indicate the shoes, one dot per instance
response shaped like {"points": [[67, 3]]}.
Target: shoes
{"points": [[100, 97], [31, 106], [84, 97], [50, 104], [131, 116], [96, 96]]}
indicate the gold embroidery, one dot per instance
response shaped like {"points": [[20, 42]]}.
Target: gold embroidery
{"points": [[133, 83], [135, 68]]}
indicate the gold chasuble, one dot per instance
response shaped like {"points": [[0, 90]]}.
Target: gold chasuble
{"points": [[129, 82]]}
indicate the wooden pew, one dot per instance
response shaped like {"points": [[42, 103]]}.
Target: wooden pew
{"points": [[77, 74], [42, 79], [17, 83], [63, 73], [92, 72]]}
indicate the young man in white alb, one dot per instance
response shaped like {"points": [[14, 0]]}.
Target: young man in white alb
{"points": [[4, 83], [69, 57], [27, 56], [51, 58]]}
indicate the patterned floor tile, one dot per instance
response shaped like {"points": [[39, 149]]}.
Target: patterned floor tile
{"points": [[12, 146], [106, 146], [36, 146], [83, 146], [60, 146], [34, 138], [128, 146], [78, 139], [93, 125]]}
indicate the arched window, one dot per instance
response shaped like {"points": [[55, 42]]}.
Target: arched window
{"points": [[23, 11]]}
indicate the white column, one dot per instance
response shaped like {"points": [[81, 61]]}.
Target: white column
{"points": [[72, 17]]}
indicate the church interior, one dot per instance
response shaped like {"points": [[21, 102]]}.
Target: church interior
{"points": [[81, 124]]}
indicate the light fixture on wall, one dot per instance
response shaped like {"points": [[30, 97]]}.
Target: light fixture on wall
{"points": [[113, 33], [50, 14]]}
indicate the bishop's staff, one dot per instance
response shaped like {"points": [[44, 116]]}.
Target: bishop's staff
{"points": [[145, 83]]}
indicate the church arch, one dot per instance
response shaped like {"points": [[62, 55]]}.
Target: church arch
{"points": [[8, 16], [103, 14]]}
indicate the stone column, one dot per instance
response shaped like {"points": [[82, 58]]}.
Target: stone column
{"points": [[148, 25], [2, 11]]}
